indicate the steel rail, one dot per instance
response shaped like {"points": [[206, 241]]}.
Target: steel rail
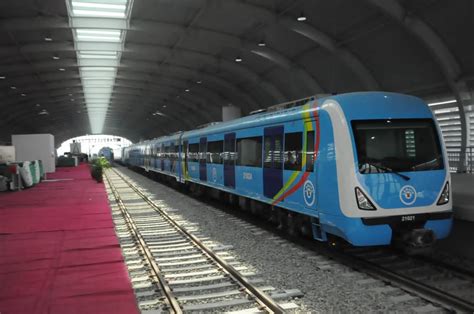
{"points": [[427, 292], [170, 299], [265, 302]]}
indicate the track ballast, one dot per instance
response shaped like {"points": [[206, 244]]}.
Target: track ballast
{"points": [[174, 270]]}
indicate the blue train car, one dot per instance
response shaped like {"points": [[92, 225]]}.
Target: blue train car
{"points": [[107, 153], [369, 167]]}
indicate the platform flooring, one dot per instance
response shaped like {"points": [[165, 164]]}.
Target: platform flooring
{"points": [[58, 249]]}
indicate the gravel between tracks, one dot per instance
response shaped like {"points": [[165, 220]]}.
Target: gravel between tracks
{"points": [[327, 285]]}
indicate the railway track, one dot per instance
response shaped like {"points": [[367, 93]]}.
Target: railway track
{"points": [[438, 285], [174, 270], [442, 284]]}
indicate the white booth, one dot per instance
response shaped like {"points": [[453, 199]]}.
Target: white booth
{"points": [[34, 147]]}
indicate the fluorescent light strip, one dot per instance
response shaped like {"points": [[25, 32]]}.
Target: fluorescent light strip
{"points": [[81, 31], [98, 68], [99, 5], [99, 52], [96, 56], [98, 13], [442, 102], [101, 69], [97, 38]]}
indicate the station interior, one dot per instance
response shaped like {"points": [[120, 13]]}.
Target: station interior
{"points": [[237, 156]]}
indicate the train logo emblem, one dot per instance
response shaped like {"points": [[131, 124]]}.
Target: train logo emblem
{"points": [[308, 193], [408, 195]]}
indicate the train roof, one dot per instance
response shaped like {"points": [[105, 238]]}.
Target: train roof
{"points": [[350, 102]]}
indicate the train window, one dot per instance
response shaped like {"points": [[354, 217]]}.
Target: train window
{"points": [[310, 151], [273, 151], [249, 151], [172, 153], [267, 154], [293, 150], [215, 152], [397, 145], [193, 152], [229, 154], [202, 151], [176, 152]]}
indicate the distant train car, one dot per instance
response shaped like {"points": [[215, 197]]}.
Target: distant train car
{"points": [[107, 152], [369, 167]]}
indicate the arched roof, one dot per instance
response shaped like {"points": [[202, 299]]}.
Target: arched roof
{"points": [[419, 47]]}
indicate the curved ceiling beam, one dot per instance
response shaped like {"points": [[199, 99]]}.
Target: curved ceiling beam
{"points": [[249, 76], [331, 45], [233, 41], [63, 115], [442, 55], [59, 91], [268, 18], [240, 97], [245, 73], [191, 101]]}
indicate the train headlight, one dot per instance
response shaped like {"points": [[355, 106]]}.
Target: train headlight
{"points": [[363, 201], [444, 198]]}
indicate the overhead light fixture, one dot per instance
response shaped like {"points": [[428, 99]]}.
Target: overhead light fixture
{"points": [[186, 90], [62, 69], [164, 106], [98, 35], [2, 77], [301, 18], [72, 99], [38, 105], [23, 95], [55, 58], [80, 4], [70, 94], [97, 55], [262, 44], [198, 82], [98, 67], [13, 87], [158, 113], [442, 102], [238, 59], [99, 9], [47, 38]]}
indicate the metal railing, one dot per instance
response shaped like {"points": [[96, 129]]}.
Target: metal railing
{"points": [[454, 158]]}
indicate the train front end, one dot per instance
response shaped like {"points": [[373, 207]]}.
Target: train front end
{"points": [[392, 168]]}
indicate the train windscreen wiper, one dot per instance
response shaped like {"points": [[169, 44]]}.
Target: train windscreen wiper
{"points": [[427, 165], [405, 177]]}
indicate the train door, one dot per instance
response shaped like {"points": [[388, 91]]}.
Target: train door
{"points": [[273, 161], [229, 160], [202, 159], [312, 144], [163, 157], [147, 157], [185, 154]]}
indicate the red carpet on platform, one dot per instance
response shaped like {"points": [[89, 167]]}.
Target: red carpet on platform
{"points": [[58, 249]]}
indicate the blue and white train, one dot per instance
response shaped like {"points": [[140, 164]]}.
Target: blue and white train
{"points": [[368, 167]]}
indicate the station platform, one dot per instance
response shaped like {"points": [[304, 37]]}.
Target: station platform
{"points": [[463, 195], [58, 249]]}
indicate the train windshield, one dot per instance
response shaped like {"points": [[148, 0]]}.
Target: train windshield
{"points": [[397, 145]]}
